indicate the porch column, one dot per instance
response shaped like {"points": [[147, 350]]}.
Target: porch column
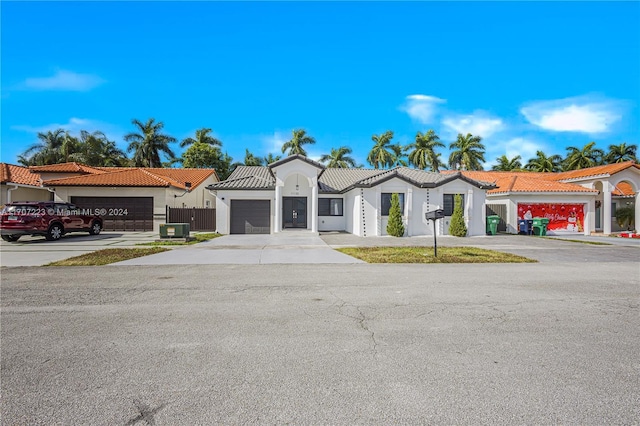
{"points": [[606, 207], [314, 206], [277, 216], [637, 218], [588, 215], [408, 212], [471, 223]]}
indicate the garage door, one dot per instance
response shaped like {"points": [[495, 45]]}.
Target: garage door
{"points": [[250, 216], [121, 213]]}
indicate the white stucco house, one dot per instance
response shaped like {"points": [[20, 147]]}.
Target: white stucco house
{"points": [[299, 193], [581, 201]]}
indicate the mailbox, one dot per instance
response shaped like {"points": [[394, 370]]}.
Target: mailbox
{"points": [[436, 214]]}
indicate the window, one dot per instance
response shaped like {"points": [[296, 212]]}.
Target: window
{"points": [[613, 209], [385, 202], [449, 204], [329, 206]]}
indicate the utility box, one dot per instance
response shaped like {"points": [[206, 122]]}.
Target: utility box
{"points": [[175, 230]]}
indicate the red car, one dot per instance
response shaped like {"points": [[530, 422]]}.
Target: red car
{"points": [[48, 218]]}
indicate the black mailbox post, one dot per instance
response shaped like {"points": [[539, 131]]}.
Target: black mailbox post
{"points": [[434, 215]]}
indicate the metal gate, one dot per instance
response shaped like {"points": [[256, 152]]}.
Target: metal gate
{"points": [[199, 219], [498, 210]]}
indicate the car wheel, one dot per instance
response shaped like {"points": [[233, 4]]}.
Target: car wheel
{"points": [[54, 232], [11, 238], [96, 227]]}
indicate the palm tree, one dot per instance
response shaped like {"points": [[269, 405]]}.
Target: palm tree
{"points": [[379, 156], [437, 164], [542, 163], [423, 152], [95, 149], [149, 143], [202, 136], [339, 158], [47, 150], [467, 154], [70, 150], [506, 165], [294, 145], [251, 160], [112, 156], [271, 158], [583, 158], [399, 154], [621, 153]]}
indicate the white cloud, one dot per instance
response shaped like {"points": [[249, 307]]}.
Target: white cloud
{"points": [[579, 114], [421, 108], [273, 143], [526, 149], [64, 80], [478, 124], [113, 132]]}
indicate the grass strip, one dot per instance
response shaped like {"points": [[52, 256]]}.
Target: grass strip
{"points": [[425, 255], [107, 256], [593, 243], [198, 238]]}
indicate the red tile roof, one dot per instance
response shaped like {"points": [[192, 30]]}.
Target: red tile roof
{"points": [[519, 181], [607, 169], [623, 189], [106, 176], [143, 177], [66, 168], [523, 182], [18, 174]]}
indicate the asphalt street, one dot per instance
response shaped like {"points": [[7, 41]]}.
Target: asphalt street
{"points": [[540, 343]]}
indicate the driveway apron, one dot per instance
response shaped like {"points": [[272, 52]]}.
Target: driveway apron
{"points": [[285, 248]]}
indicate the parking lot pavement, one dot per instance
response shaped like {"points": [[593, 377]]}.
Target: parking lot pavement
{"points": [[321, 344], [37, 251]]}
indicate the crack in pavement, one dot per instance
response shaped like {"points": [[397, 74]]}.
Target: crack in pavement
{"points": [[146, 415], [361, 319]]}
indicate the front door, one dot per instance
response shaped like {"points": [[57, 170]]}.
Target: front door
{"points": [[294, 212]]}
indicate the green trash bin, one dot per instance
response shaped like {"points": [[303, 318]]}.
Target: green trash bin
{"points": [[545, 223], [492, 224], [540, 226]]}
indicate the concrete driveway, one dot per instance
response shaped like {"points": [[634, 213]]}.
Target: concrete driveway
{"points": [[37, 251], [284, 248]]}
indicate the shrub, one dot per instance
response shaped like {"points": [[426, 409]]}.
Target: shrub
{"points": [[625, 217], [457, 228], [395, 226]]}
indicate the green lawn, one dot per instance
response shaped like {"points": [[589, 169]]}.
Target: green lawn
{"points": [[425, 255], [594, 243], [104, 257]]}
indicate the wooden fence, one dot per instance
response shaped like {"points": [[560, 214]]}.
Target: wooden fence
{"points": [[199, 219]]}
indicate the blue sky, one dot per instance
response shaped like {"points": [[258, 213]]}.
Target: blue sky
{"points": [[524, 76]]}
